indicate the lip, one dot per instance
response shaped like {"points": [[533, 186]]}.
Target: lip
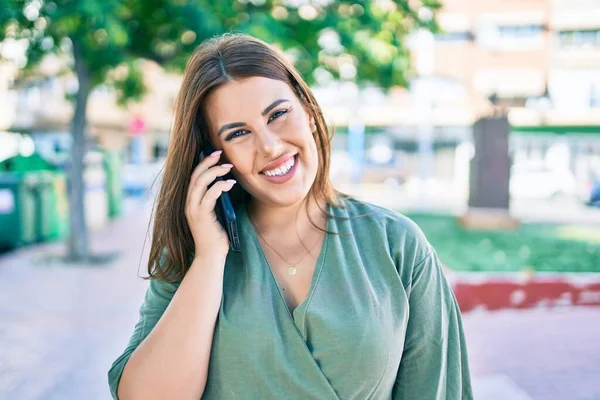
{"points": [[288, 176], [280, 161]]}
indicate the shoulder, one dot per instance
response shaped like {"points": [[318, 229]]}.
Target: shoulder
{"points": [[165, 273], [395, 224], [407, 242]]}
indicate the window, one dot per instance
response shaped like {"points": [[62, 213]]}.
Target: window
{"points": [[454, 37], [511, 37], [577, 39], [519, 31]]}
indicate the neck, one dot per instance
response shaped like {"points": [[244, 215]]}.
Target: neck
{"points": [[290, 220]]}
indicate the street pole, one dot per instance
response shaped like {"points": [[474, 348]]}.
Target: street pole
{"points": [[356, 130], [422, 90]]}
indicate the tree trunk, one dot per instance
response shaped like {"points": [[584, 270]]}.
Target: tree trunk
{"points": [[78, 239]]}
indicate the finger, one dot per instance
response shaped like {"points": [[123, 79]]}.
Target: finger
{"points": [[199, 187], [205, 164], [209, 201], [211, 174]]}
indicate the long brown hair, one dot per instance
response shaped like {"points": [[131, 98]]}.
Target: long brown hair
{"points": [[214, 63]]}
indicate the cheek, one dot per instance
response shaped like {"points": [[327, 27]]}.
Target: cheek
{"points": [[301, 123], [242, 163], [300, 127]]}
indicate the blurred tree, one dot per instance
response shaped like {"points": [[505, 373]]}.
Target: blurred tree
{"points": [[362, 41]]}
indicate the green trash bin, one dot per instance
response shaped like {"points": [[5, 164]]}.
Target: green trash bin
{"points": [[19, 163], [114, 185], [59, 225], [33, 201], [17, 209], [44, 206], [51, 206]]}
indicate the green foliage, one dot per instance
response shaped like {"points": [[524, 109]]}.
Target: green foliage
{"points": [[537, 247], [130, 86], [367, 36], [370, 37]]}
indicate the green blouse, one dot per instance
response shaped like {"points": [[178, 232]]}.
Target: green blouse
{"points": [[380, 320]]}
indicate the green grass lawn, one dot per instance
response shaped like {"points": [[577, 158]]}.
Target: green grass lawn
{"points": [[540, 247]]}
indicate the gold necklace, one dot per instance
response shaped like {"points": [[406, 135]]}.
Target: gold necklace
{"points": [[291, 266]]}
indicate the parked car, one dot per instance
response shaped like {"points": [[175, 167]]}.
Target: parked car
{"points": [[594, 199], [535, 180]]}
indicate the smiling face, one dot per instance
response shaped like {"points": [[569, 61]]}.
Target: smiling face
{"points": [[267, 135]]}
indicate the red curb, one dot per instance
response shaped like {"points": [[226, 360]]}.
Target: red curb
{"points": [[512, 291], [501, 295]]}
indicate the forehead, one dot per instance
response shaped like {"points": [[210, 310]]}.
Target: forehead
{"points": [[245, 98]]}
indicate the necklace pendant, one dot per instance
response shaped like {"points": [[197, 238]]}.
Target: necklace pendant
{"points": [[292, 270]]}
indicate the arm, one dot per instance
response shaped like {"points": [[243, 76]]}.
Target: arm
{"points": [[168, 354], [434, 363]]}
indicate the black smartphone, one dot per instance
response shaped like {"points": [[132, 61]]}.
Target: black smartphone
{"points": [[223, 209]]}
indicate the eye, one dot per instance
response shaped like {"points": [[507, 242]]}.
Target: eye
{"points": [[278, 114], [235, 134], [242, 132]]}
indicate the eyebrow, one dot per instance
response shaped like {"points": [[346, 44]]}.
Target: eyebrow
{"points": [[240, 124]]}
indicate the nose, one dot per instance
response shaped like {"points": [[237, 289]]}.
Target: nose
{"points": [[268, 142]]}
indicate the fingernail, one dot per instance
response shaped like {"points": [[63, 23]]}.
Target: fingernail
{"points": [[232, 181], [215, 153], [227, 165]]}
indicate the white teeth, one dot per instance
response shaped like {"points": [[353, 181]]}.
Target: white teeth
{"points": [[281, 170]]}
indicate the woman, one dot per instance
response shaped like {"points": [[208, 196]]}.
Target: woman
{"points": [[330, 297]]}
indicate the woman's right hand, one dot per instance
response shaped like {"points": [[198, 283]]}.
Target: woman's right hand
{"points": [[209, 236]]}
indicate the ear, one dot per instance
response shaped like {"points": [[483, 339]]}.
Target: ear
{"points": [[313, 125]]}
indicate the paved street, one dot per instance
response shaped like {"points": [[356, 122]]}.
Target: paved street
{"points": [[62, 326], [549, 354]]}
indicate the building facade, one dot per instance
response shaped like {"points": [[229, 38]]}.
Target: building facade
{"points": [[540, 58]]}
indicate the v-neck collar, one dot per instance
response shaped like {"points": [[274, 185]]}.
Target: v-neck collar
{"points": [[299, 313]]}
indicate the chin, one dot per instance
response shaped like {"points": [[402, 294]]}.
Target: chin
{"points": [[281, 198], [289, 199]]}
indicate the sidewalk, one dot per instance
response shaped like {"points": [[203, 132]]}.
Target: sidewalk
{"points": [[61, 327], [539, 354]]}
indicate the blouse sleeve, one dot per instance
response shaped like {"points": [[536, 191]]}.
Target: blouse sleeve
{"points": [[434, 363], [158, 297]]}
